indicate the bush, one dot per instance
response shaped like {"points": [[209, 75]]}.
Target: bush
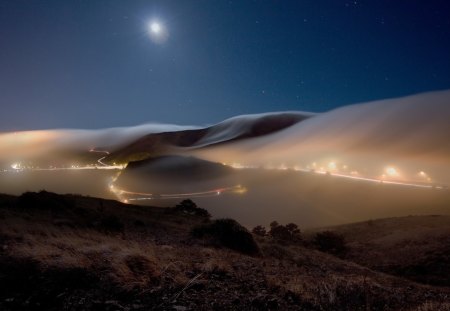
{"points": [[45, 200], [330, 242], [290, 232], [189, 207], [280, 233], [111, 223], [259, 230], [228, 233]]}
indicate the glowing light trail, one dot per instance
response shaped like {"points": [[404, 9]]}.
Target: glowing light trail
{"points": [[354, 175], [154, 196]]}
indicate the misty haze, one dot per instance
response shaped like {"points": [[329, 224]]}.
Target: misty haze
{"points": [[224, 155], [313, 169]]}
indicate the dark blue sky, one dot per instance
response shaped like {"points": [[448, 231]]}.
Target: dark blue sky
{"points": [[92, 64]]}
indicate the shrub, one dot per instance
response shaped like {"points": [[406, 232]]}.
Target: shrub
{"points": [[111, 223], [228, 233], [330, 242], [189, 207], [280, 233], [259, 230], [274, 224], [290, 232], [45, 200], [293, 228]]}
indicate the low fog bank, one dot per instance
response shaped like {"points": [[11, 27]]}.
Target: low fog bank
{"points": [[277, 160], [308, 199], [90, 183], [62, 143]]}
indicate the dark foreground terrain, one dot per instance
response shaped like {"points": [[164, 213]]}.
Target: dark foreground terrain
{"points": [[80, 253]]}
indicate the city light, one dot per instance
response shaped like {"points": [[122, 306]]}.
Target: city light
{"points": [[392, 172], [332, 166], [15, 166]]}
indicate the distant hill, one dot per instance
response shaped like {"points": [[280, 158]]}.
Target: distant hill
{"points": [[178, 168], [234, 129], [174, 174]]}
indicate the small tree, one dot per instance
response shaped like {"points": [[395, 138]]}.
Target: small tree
{"points": [[186, 205], [274, 224], [293, 229], [280, 233], [189, 207], [290, 232], [259, 230]]}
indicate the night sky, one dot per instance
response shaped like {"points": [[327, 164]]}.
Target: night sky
{"points": [[94, 64]]}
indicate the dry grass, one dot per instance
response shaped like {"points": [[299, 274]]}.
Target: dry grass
{"points": [[157, 260], [433, 306], [417, 247], [130, 263]]}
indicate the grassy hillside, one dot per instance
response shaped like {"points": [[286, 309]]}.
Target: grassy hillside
{"points": [[78, 253], [416, 247]]}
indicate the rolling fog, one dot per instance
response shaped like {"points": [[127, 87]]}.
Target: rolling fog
{"points": [[59, 144], [411, 134], [398, 140]]}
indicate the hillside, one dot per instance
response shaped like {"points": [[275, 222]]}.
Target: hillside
{"points": [[417, 247], [178, 167], [174, 174], [79, 253], [234, 129]]}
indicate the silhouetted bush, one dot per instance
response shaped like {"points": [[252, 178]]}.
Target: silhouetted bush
{"points": [[293, 229], [290, 232], [280, 233], [111, 223], [139, 223], [274, 224], [228, 233], [330, 242], [189, 207], [259, 230], [45, 200]]}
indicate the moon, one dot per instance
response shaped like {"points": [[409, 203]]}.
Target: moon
{"points": [[155, 27], [158, 32]]}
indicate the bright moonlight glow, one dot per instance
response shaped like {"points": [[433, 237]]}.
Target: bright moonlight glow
{"points": [[155, 27], [158, 32]]}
